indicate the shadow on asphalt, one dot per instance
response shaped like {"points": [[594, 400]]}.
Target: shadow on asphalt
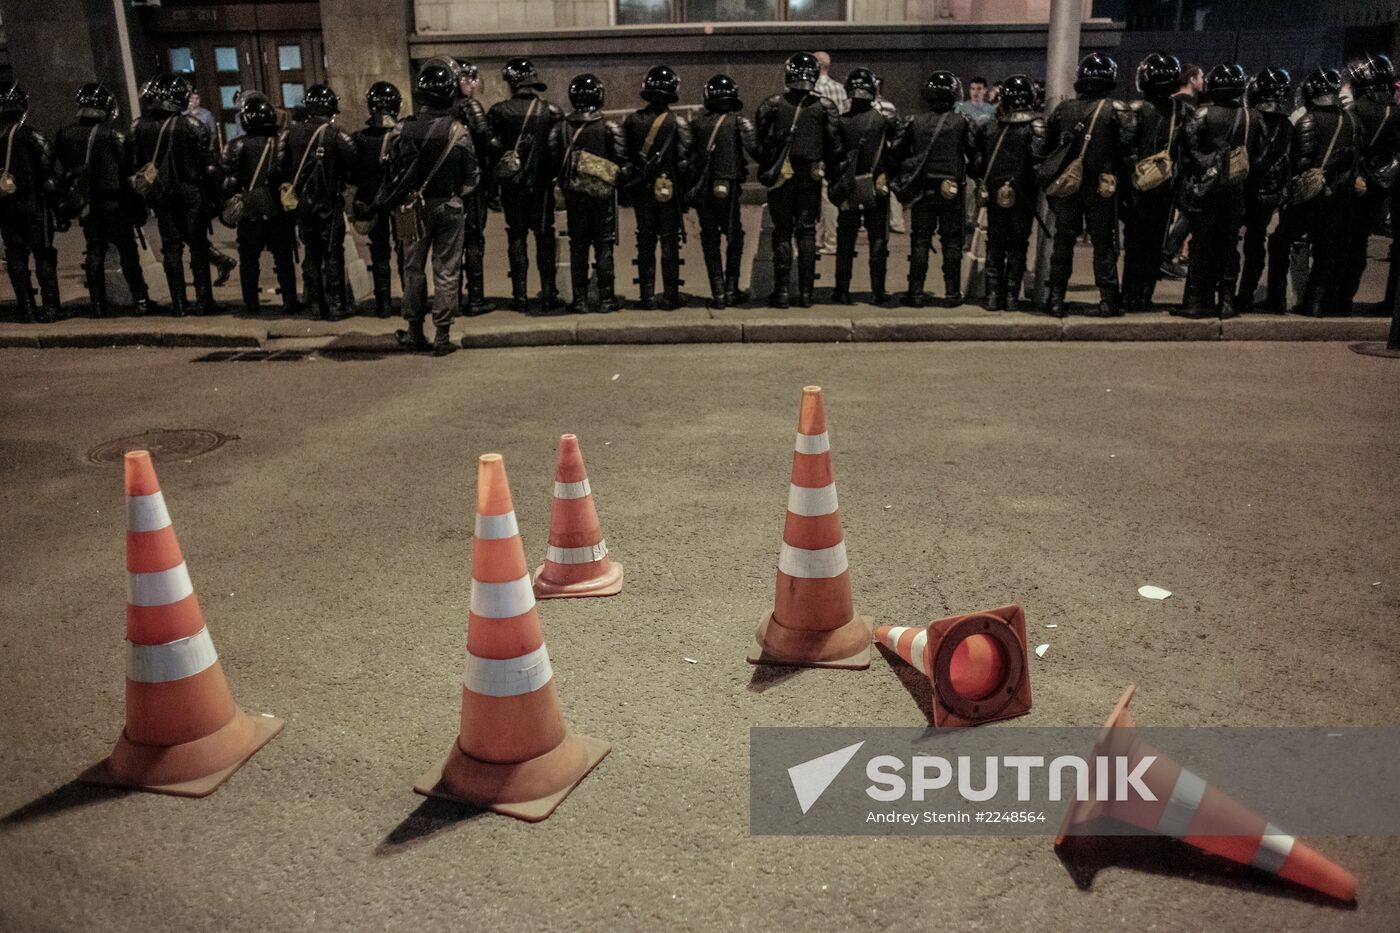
{"points": [[70, 796], [430, 818], [1084, 856], [919, 686], [767, 676]]}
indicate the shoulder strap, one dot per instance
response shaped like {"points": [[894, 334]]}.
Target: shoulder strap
{"points": [[384, 146], [880, 146], [1335, 133], [311, 144], [569, 149], [452, 137], [1171, 128], [160, 137], [996, 150], [1384, 120], [525, 124], [653, 132], [262, 160], [10, 146], [1089, 133], [714, 134], [92, 137]]}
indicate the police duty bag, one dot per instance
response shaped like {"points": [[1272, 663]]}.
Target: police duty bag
{"points": [[1068, 181], [146, 180]]}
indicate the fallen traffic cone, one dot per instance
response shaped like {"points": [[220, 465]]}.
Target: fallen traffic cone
{"points": [[813, 622], [1189, 809], [577, 563], [977, 664], [184, 734], [513, 754]]}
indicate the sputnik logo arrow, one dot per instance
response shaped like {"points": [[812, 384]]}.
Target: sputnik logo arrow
{"points": [[810, 779]]}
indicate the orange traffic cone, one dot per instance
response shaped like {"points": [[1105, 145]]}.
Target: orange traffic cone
{"points": [[813, 622], [577, 562], [977, 663], [514, 754], [1189, 809], [184, 735]]}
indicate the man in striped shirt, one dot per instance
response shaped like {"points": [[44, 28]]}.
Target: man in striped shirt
{"points": [[834, 91]]}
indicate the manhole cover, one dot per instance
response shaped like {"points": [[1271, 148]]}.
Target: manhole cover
{"points": [[176, 444]]}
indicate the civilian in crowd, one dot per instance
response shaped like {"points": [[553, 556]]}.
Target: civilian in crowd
{"points": [[977, 108], [888, 109], [832, 90], [201, 114]]}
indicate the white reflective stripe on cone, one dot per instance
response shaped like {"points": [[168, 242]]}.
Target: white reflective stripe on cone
{"points": [[496, 527], [160, 588], [892, 637], [813, 443], [1274, 849], [917, 649], [1181, 806], [804, 500], [509, 677], [577, 555], [175, 660], [146, 513], [502, 600], [814, 564], [571, 490]]}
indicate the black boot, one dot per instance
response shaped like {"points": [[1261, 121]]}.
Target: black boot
{"points": [[733, 294], [1276, 297], [413, 337], [1055, 301], [782, 275], [1132, 292], [918, 273], [806, 268], [442, 342], [518, 254], [646, 282], [717, 295], [24, 292], [845, 265], [1110, 302], [224, 264], [1193, 305], [952, 290], [714, 269], [996, 287], [1227, 300], [94, 267], [203, 288], [1015, 275], [670, 275], [578, 277], [383, 300], [46, 271], [879, 257], [473, 259], [545, 258]]}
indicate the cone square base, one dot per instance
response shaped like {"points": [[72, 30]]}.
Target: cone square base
{"points": [[808, 646], [609, 584], [264, 730], [531, 811]]}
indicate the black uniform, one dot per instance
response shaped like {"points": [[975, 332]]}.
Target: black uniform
{"points": [[1269, 172], [1213, 200], [592, 220], [1147, 214], [186, 187], [1095, 204], [320, 214], [870, 140], [26, 218], [1378, 138], [474, 206], [722, 144], [96, 158], [1322, 219], [1011, 150], [939, 149], [250, 165], [812, 124], [666, 156], [527, 198], [372, 146]]}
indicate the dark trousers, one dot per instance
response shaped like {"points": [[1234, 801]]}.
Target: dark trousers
{"points": [[933, 213], [529, 210], [474, 213], [876, 220], [442, 236], [107, 224], [383, 259], [795, 207], [1259, 213], [592, 226], [1008, 240], [276, 235], [1072, 214], [1292, 227], [661, 223], [322, 231], [26, 229], [719, 221], [182, 221], [1215, 250], [1323, 222], [1365, 213], [1144, 237]]}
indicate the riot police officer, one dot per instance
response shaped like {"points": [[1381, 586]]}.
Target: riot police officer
{"points": [[723, 140], [938, 151], [861, 189], [318, 161], [383, 101], [252, 174], [1218, 142], [1011, 150], [434, 169], [475, 205], [658, 147], [1096, 133], [174, 151], [1373, 90], [93, 163], [26, 214], [1267, 184], [525, 173], [1150, 195], [800, 136], [593, 146]]}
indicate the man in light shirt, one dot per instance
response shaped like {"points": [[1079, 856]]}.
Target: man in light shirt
{"points": [[834, 91]]}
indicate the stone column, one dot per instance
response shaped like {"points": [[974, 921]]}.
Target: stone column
{"points": [[365, 41]]}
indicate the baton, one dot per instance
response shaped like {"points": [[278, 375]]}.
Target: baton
{"points": [[140, 236]]}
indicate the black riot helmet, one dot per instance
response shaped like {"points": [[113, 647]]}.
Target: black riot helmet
{"points": [[1159, 75], [1018, 93], [1373, 73], [1271, 84], [661, 85], [1097, 74], [321, 101], [169, 93], [1226, 82], [1321, 87], [467, 71], [586, 93], [95, 102], [520, 74], [861, 84], [13, 99], [801, 71], [722, 95], [257, 113], [436, 85], [942, 87], [383, 99]]}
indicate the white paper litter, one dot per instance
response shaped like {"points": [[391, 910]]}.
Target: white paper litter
{"points": [[1052, 625], [1040, 650], [616, 376], [690, 660], [1153, 592]]}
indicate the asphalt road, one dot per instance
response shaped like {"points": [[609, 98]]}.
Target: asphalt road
{"points": [[329, 545]]}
